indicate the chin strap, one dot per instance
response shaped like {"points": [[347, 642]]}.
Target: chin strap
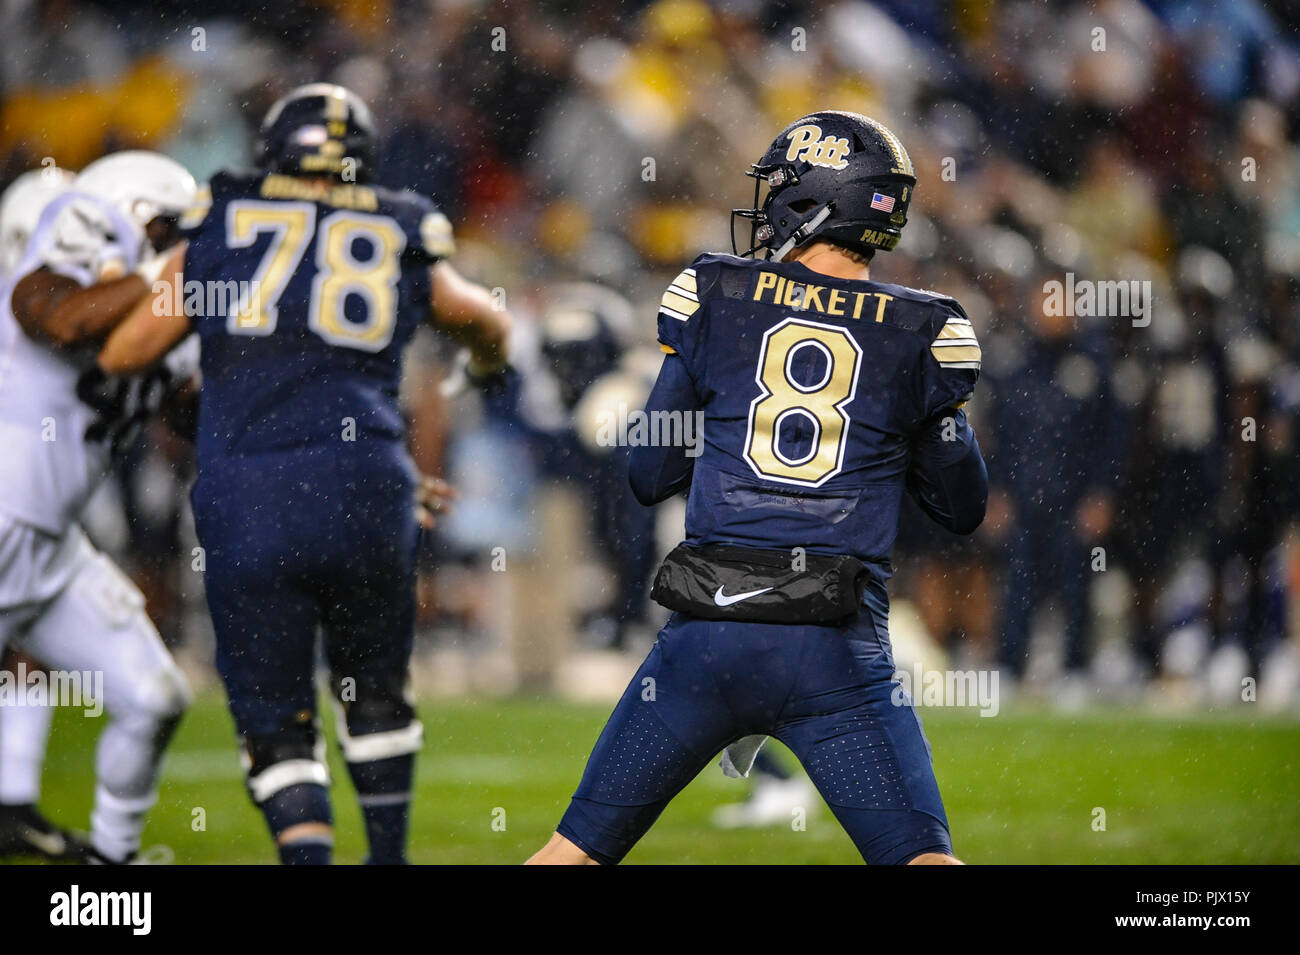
{"points": [[803, 233]]}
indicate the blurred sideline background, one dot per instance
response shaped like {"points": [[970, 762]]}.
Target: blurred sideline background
{"points": [[586, 162]]}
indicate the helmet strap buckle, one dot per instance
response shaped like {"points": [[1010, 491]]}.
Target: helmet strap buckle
{"points": [[805, 232]]}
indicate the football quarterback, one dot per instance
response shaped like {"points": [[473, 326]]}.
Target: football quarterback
{"points": [[826, 396]]}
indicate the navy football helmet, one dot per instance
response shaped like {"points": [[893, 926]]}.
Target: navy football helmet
{"points": [[586, 329], [318, 129], [837, 176]]}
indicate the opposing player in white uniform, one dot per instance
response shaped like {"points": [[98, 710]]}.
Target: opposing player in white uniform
{"points": [[60, 599], [25, 723]]}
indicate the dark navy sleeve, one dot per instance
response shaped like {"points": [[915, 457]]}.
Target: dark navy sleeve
{"points": [[947, 475], [953, 363], [680, 318], [657, 473], [428, 232]]}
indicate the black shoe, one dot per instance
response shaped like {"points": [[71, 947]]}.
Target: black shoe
{"points": [[154, 855], [25, 832]]}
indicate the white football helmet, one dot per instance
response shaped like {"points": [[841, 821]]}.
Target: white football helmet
{"points": [[141, 184], [21, 207]]}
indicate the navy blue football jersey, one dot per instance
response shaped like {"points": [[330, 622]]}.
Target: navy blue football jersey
{"points": [[811, 389], [304, 299]]}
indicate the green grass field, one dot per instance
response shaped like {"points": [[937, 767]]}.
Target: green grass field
{"points": [[1020, 787]]}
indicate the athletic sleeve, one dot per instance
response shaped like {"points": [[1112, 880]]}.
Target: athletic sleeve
{"points": [[952, 364], [947, 475], [656, 473], [429, 233], [680, 314]]}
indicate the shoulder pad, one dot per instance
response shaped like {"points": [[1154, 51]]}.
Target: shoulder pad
{"points": [[718, 273], [422, 216], [233, 180], [198, 210], [954, 345], [224, 185], [919, 310], [710, 274], [681, 299]]}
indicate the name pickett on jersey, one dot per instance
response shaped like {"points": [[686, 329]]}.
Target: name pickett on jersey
{"points": [[938, 320], [773, 289], [954, 346]]}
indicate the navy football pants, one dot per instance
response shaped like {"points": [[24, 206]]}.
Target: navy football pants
{"points": [[299, 540], [828, 693]]}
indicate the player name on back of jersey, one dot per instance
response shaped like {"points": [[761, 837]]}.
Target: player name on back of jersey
{"points": [[347, 196], [774, 289]]}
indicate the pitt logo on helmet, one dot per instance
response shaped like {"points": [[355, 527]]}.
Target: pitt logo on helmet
{"points": [[806, 143]]}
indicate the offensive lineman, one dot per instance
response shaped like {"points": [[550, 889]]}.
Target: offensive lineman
{"points": [[303, 499], [824, 396], [60, 598]]}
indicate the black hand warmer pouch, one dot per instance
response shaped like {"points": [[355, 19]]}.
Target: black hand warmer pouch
{"points": [[720, 582]]}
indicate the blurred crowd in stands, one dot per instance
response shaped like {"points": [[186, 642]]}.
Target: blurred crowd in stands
{"points": [[1144, 518]]}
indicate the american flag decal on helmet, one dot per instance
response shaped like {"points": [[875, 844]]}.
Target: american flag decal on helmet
{"points": [[882, 202]]}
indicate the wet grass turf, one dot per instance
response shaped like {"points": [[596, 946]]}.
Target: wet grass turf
{"points": [[1021, 787]]}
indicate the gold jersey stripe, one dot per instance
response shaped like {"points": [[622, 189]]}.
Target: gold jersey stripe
{"points": [[436, 235], [198, 211], [953, 354], [952, 330], [687, 280], [679, 303]]}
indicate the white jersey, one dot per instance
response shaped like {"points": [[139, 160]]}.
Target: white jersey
{"points": [[48, 466], [60, 599]]}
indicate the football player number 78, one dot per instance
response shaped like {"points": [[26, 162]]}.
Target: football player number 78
{"points": [[339, 273]]}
